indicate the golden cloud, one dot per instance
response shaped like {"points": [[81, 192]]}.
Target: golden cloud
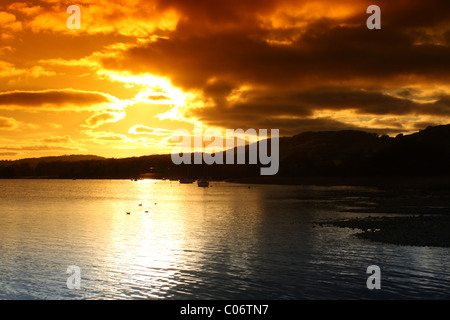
{"points": [[8, 123], [101, 118], [141, 129]]}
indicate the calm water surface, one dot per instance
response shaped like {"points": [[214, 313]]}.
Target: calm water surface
{"points": [[228, 241]]}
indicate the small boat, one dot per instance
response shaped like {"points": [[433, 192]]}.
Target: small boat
{"points": [[186, 180], [203, 183]]}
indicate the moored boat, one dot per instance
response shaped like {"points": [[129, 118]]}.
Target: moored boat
{"points": [[203, 183]]}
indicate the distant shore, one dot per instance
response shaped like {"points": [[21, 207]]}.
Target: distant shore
{"points": [[411, 182], [423, 230], [375, 181]]}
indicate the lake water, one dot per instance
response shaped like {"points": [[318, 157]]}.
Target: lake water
{"points": [[229, 241]]}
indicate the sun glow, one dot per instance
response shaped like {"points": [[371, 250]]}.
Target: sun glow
{"points": [[155, 90]]}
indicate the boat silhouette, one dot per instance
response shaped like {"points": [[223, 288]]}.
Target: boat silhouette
{"points": [[186, 180], [203, 182]]}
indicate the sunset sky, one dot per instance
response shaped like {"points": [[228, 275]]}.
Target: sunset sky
{"points": [[138, 69]]}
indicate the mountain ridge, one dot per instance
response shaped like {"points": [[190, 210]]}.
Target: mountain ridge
{"points": [[345, 153]]}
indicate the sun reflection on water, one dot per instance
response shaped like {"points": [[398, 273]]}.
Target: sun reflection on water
{"points": [[180, 241]]}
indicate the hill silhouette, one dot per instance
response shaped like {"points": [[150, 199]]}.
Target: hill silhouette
{"points": [[68, 158], [426, 152], [325, 154]]}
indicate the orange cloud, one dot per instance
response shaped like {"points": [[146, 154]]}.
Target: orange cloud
{"points": [[55, 100], [8, 22], [104, 137], [130, 18], [8, 123], [140, 129], [99, 119], [8, 69]]}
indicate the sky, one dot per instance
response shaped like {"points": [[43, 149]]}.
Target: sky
{"points": [[136, 70]]}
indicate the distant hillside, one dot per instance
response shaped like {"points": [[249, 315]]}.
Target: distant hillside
{"points": [[66, 158], [345, 153]]}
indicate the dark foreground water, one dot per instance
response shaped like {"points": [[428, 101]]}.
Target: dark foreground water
{"points": [[228, 241]]}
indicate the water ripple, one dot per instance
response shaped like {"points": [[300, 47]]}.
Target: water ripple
{"points": [[183, 242]]}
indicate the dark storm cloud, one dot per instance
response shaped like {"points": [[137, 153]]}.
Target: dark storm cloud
{"points": [[375, 103], [414, 13], [262, 105], [56, 99], [289, 126], [324, 50], [220, 47]]}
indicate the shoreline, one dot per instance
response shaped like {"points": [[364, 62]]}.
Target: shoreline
{"points": [[422, 230], [409, 182], [364, 181]]}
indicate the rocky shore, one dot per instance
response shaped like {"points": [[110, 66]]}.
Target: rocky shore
{"points": [[423, 230]]}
